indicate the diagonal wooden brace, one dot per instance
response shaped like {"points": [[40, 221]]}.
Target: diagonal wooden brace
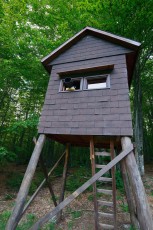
{"points": [[75, 194]]}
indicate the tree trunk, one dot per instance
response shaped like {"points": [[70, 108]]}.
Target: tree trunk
{"points": [[138, 121]]}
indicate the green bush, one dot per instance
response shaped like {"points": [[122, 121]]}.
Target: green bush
{"points": [[6, 156], [119, 181], [78, 178], [15, 179]]}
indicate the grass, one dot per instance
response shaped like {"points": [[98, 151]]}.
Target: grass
{"points": [[76, 214], [30, 220], [77, 178]]}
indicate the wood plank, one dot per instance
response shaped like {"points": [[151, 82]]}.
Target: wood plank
{"points": [[24, 188], [102, 154], [144, 212], [99, 166], [92, 158], [47, 180], [64, 179], [105, 203], [106, 226], [81, 189], [104, 214], [113, 183], [129, 196], [105, 179], [105, 191]]}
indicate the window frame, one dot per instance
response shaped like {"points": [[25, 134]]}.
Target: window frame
{"points": [[107, 76], [68, 91]]}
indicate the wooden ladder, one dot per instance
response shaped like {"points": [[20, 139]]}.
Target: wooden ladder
{"points": [[104, 190]]}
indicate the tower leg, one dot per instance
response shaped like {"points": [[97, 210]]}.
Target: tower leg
{"points": [[64, 179], [92, 158], [143, 209], [24, 189], [129, 196], [47, 180]]}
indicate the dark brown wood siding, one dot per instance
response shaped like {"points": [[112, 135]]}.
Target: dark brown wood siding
{"points": [[91, 112]]}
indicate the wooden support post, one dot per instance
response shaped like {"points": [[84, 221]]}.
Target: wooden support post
{"points": [[47, 180], [24, 189], [41, 185], [92, 158], [113, 183], [144, 213], [64, 179], [129, 196]]}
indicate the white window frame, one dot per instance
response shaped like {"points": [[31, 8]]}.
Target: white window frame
{"points": [[107, 76]]}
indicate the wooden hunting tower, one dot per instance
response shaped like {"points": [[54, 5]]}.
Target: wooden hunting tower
{"points": [[101, 64], [87, 104]]}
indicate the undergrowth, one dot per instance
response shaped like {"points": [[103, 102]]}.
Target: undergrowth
{"points": [[15, 179]]}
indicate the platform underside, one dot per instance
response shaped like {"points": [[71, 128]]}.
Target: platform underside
{"points": [[84, 140]]}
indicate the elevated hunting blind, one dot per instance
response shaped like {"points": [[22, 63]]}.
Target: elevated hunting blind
{"points": [[87, 104]]}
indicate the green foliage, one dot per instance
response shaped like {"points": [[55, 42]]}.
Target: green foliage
{"points": [[9, 196], [76, 214], [15, 179], [124, 207], [78, 177], [4, 216], [119, 181], [25, 38], [30, 219], [6, 156]]}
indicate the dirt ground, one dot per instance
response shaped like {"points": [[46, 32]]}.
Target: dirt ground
{"points": [[79, 214]]}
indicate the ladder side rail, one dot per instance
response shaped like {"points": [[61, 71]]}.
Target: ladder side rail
{"points": [[113, 184], [93, 167]]}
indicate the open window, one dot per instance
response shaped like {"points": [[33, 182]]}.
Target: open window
{"points": [[97, 82], [71, 84]]}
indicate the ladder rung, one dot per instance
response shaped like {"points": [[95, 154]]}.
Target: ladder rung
{"points": [[104, 214], [106, 226], [100, 166], [105, 179], [105, 191], [105, 203], [102, 154]]}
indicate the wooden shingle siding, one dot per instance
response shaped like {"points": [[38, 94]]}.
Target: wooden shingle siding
{"points": [[88, 112], [90, 47]]}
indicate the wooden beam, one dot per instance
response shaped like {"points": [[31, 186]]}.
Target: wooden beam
{"points": [[41, 185], [144, 213], [64, 179], [113, 182], [129, 196], [24, 189], [92, 158], [47, 180], [75, 194]]}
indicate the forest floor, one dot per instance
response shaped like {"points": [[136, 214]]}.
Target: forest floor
{"points": [[78, 215]]}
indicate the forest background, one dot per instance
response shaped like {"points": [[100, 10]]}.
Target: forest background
{"points": [[29, 30]]}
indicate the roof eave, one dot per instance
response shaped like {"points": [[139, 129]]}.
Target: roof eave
{"points": [[89, 30]]}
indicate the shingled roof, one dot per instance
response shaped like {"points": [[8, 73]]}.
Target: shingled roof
{"points": [[125, 42]]}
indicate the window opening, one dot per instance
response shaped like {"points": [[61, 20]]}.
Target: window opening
{"points": [[97, 82], [70, 84]]}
